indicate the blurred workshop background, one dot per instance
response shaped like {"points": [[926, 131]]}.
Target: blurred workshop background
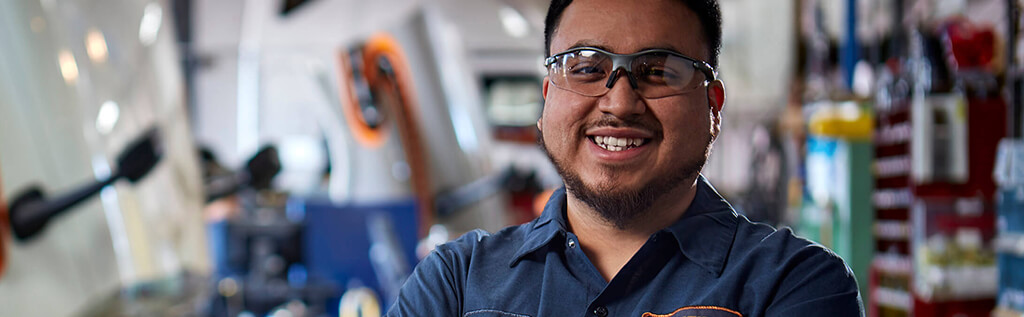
{"points": [[298, 157]]}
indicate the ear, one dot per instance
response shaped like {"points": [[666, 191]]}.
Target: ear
{"points": [[716, 102], [716, 95], [544, 91]]}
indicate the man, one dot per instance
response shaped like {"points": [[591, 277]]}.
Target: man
{"points": [[631, 112]]}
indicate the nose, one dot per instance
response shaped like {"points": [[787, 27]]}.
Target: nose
{"points": [[622, 100]]}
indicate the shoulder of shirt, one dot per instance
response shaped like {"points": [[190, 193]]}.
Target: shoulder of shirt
{"points": [[779, 246], [501, 245]]}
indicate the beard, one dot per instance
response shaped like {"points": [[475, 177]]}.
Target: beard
{"points": [[621, 206]]}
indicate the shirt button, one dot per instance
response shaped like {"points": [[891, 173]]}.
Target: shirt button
{"points": [[572, 243], [601, 311]]}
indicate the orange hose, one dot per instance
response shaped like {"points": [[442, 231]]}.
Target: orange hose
{"points": [[403, 107], [361, 131], [405, 115]]}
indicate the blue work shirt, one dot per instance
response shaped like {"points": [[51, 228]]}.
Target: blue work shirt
{"points": [[711, 262]]}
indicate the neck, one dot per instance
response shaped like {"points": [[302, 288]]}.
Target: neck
{"points": [[610, 247]]}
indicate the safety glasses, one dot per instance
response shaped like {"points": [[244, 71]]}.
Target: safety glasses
{"points": [[652, 73]]}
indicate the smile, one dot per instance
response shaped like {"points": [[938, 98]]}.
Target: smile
{"points": [[615, 144]]}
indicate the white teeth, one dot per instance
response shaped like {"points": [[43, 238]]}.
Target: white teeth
{"points": [[617, 144]]}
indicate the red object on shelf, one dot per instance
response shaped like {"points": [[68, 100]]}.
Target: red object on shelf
{"points": [[987, 120], [982, 114], [970, 45], [971, 308], [950, 223], [892, 246], [986, 124]]}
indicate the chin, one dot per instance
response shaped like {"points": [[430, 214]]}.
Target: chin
{"points": [[610, 196]]}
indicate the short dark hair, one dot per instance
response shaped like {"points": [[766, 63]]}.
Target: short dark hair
{"points": [[708, 12]]}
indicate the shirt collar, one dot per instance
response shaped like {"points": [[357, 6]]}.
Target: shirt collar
{"points": [[540, 232], [705, 232]]}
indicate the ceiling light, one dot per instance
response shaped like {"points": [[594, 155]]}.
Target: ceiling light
{"points": [[96, 46], [107, 118], [68, 66], [514, 22], [149, 28]]}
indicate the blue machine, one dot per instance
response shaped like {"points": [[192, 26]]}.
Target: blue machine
{"points": [[359, 246]]}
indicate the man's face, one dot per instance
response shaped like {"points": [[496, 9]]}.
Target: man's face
{"points": [[676, 131]]}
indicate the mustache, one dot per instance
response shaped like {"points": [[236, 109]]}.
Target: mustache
{"points": [[635, 122]]}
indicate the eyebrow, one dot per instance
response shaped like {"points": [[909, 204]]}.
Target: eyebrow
{"points": [[588, 43]]}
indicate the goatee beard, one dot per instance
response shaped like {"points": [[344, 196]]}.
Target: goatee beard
{"points": [[622, 206]]}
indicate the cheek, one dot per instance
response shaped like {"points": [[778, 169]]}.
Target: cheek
{"points": [[552, 128], [683, 120], [560, 118]]}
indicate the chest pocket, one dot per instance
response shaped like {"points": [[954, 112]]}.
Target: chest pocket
{"points": [[698, 311], [492, 313]]}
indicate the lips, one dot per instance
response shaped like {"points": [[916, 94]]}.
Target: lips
{"points": [[617, 139]]}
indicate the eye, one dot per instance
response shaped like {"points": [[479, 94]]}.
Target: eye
{"points": [[666, 71], [659, 75], [586, 69], [661, 72]]}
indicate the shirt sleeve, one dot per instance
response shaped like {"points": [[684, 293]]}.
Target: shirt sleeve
{"points": [[818, 283], [432, 289]]}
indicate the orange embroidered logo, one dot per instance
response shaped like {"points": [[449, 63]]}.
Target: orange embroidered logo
{"points": [[698, 311]]}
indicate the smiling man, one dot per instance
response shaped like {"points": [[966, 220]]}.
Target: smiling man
{"points": [[632, 108]]}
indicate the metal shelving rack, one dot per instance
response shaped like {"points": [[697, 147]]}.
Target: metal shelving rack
{"points": [[1010, 236]]}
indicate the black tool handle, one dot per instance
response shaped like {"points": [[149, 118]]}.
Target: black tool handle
{"points": [[32, 211]]}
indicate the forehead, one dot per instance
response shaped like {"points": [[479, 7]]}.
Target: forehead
{"points": [[629, 26]]}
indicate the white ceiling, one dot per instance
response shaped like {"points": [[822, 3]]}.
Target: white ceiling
{"points": [[756, 57], [336, 23]]}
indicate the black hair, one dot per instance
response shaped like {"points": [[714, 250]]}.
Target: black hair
{"points": [[708, 12]]}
